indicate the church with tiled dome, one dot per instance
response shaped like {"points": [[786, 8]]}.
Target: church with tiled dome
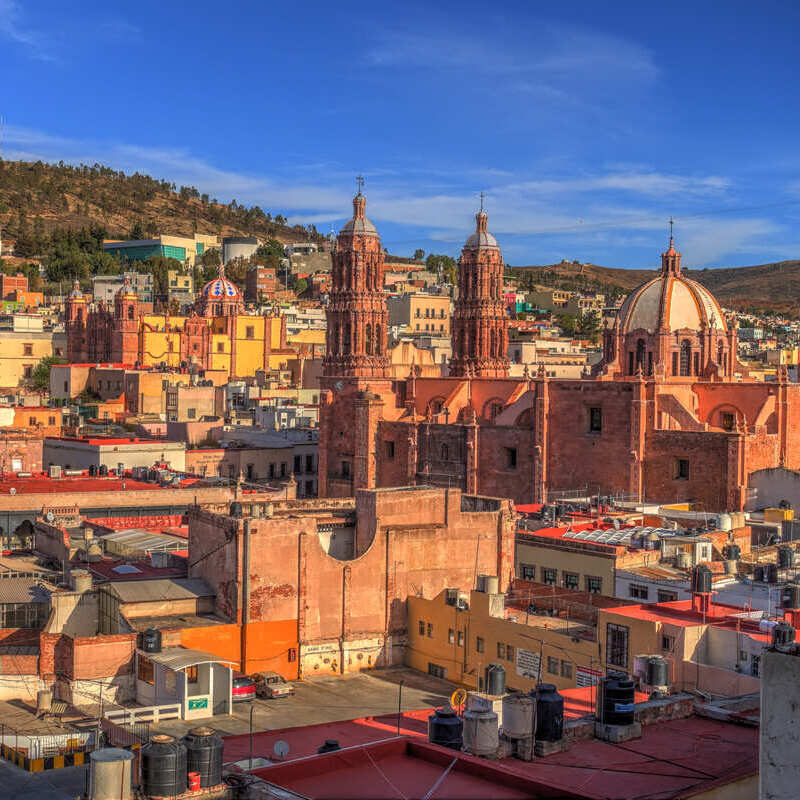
{"points": [[669, 414], [218, 334]]}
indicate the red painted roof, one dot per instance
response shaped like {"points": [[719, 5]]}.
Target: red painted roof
{"points": [[109, 441], [105, 569], [46, 485]]}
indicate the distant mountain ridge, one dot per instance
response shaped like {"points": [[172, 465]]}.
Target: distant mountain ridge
{"points": [[763, 286], [50, 196]]}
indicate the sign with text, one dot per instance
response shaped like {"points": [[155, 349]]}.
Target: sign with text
{"points": [[528, 664]]}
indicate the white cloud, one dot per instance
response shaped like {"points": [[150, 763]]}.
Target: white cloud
{"points": [[12, 27]]}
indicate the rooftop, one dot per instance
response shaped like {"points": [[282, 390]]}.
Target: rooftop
{"points": [[43, 484]]}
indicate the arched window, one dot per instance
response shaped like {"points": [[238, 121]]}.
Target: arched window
{"points": [[369, 339], [640, 354], [130, 312], [686, 357]]}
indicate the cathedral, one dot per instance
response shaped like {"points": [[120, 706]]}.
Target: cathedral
{"points": [[669, 414], [218, 335]]}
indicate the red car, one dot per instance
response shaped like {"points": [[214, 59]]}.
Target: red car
{"points": [[244, 688]]}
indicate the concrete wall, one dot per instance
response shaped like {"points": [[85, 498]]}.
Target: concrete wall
{"points": [[779, 734]]}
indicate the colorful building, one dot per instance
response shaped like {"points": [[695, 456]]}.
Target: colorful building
{"points": [[181, 248], [218, 335]]}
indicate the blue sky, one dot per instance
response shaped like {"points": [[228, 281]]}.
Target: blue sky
{"points": [[587, 124]]}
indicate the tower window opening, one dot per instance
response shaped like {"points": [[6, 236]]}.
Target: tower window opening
{"points": [[686, 357]]}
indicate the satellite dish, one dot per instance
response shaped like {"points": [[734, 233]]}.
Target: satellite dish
{"points": [[50, 516], [281, 748]]}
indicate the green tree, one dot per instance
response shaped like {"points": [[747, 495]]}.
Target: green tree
{"points": [[137, 231], [40, 377], [419, 254], [567, 323], [445, 264], [269, 254], [587, 325], [301, 286]]}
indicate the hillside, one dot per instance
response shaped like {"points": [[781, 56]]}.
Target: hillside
{"points": [[765, 286], [41, 198]]}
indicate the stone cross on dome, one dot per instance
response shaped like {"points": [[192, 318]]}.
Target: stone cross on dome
{"points": [[671, 260], [359, 183]]}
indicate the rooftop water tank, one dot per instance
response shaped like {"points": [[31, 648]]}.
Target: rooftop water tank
{"points": [[683, 560], [785, 557], [446, 728], [701, 579], [519, 715], [771, 573], [495, 679], [111, 774], [151, 640], [549, 713], [235, 510], [657, 671], [783, 635], [617, 699], [163, 765], [481, 735], [81, 580], [790, 597], [204, 755]]}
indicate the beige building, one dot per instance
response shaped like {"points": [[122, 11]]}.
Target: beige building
{"points": [[419, 313], [25, 343], [180, 286], [561, 358], [456, 635]]}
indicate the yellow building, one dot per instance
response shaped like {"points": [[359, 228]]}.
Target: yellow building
{"points": [[456, 635], [25, 344], [420, 313]]}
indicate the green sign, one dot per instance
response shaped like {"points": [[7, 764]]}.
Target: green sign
{"points": [[199, 702]]}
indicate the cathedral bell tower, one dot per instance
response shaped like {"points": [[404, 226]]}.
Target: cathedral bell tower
{"points": [[125, 325], [75, 324], [480, 322]]}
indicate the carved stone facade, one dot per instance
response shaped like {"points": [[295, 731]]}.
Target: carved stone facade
{"points": [[480, 322]]}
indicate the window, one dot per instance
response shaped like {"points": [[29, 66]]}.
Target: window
{"points": [[595, 419], [27, 370], [696, 369], [436, 671], [271, 470], [594, 585], [451, 636], [549, 576], [220, 347], [570, 580], [667, 643], [511, 457], [144, 670], [430, 630], [682, 469], [667, 597], [686, 357], [191, 674], [674, 363], [553, 665], [638, 591], [566, 669], [283, 469], [51, 420], [421, 628], [389, 446], [743, 655], [249, 332], [309, 463], [298, 463], [527, 572], [617, 645], [27, 349], [460, 639], [501, 650], [191, 413], [509, 652], [445, 451], [479, 644], [345, 469], [31, 421], [727, 421]]}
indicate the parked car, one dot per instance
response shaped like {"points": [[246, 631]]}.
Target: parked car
{"points": [[271, 684], [244, 688]]}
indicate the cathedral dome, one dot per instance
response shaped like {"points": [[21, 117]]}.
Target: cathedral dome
{"points": [[218, 288], [126, 291], [671, 302], [358, 223], [481, 239]]}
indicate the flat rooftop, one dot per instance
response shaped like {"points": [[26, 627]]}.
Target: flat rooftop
{"points": [[43, 484]]}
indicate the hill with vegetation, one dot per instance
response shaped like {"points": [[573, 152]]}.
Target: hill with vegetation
{"points": [[760, 288]]}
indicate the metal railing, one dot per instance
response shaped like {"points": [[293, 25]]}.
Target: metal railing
{"points": [[132, 716]]}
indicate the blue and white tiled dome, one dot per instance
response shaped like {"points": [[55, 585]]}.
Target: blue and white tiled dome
{"points": [[220, 287]]}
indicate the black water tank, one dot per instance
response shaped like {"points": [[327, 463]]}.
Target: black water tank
{"points": [[758, 573], [92, 470], [494, 679], [790, 596], [782, 634], [701, 579], [785, 557], [103, 470], [329, 746], [446, 728], [204, 755], [733, 552], [657, 671], [549, 713], [235, 510], [619, 699], [163, 763], [151, 641], [771, 573]]}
